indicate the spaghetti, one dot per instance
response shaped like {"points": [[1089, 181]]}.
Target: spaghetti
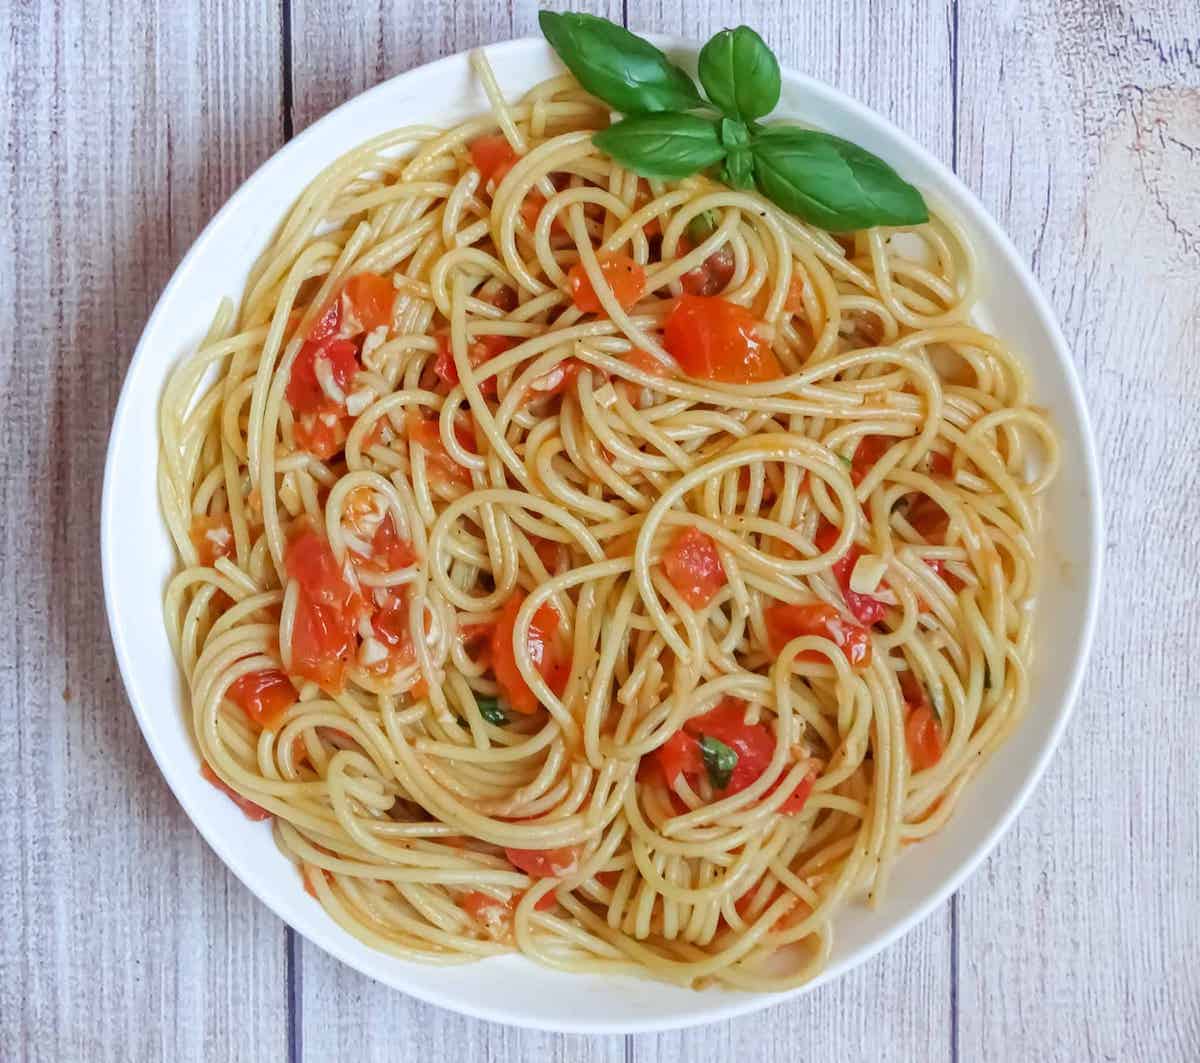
{"points": [[617, 571]]}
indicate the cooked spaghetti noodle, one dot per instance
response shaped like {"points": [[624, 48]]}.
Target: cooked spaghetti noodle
{"points": [[616, 571]]}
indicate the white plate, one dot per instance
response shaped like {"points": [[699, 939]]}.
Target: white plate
{"points": [[138, 560]]}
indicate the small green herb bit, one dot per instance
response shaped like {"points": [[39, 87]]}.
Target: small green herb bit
{"points": [[490, 710], [740, 74], [625, 71], [719, 759]]}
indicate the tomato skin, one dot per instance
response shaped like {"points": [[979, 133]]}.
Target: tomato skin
{"points": [[798, 798], [315, 434], [787, 622], [624, 276], [389, 551], [869, 450], [304, 392], [545, 863], [248, 807], [866, 610], [322, 643], [324, 624], [714, 339], [680, 755], [327, 324], [372, 297], [712, 275], [493, 156], [694, 567], [263, 696], [212, 537], [539, 641], [479, 351], [923, 737], [426, 434], [310, 561]]}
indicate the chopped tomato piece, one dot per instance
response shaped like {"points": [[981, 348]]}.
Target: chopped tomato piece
{"points": [[493, 156], [372, 298], [549, 552], [323, 641], [322, 434], [545, 863], [389, 551], [559, 379], [328, 323], [304, 390], [712, 275], [212, 537], [940, 464], [325, 621], [647, 363], [754, 745], [680, 755], [787, 622], [923, 736], [263, 696], [531, 209], [248, 807], [491, 913], [869, 450], [694, 567], [866, 610], [426, 434], [539, 644], [798, 798], [479, 351], [714, 339], [624, 276], [310, 561]]}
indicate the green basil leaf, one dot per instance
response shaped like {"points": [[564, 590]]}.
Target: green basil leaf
{"points": [[740, 73], [665, 145], [832, 183], [738, 171], [490, 710], [625, 71], [719, 759]]}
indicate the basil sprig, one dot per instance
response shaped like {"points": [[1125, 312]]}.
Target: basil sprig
{"points": [[719, 759], [823, 179]]}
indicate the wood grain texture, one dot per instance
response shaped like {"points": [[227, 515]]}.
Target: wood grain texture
{"points": [[128, 124], [1078, 940], [123, 936]]}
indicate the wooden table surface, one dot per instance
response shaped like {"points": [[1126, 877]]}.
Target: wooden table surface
{"points": [[127, 124]]}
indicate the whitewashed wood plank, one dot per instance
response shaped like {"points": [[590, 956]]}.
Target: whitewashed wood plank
{"points": [[1080, 128], [123, 937], [335, 56], [896, 59]]}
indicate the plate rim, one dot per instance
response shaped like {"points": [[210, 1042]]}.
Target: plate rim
{"points": [[747, 1002]]}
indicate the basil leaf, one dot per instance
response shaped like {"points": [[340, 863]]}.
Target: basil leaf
{"points": [[490, 710], [719, 759], [832, 183], [740, 73], [668, 146], [738, 171], [625, 71]]}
